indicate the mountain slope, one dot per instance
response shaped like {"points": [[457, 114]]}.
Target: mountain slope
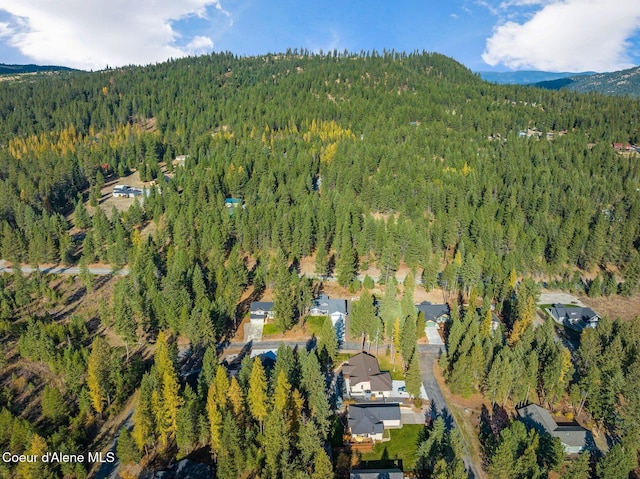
{"points": [[624, 82], [17, 69], [526, 77]]}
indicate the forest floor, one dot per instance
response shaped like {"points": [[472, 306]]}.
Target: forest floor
{"points": [[615, 306]]}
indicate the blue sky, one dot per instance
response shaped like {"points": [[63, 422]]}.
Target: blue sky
{"points": [[554, 35]]}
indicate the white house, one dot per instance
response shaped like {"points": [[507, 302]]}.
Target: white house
{"points": [[368, 421], [363, 377], [335, 309], [260, 311]]}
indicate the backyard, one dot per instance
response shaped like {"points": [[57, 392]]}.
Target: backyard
{"points": [[403, 445]]}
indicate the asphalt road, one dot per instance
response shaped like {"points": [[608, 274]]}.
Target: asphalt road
{"points": [[105, 271], [438, 403]]}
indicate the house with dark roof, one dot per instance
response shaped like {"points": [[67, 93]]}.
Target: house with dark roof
{"points": [[363, 377], [574, 438], [438, 313], [324, 306], [335, 309], [260, 311], [577, 318], [394, 473], [368, 421]]}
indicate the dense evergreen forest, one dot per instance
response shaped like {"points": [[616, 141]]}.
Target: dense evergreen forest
{"points": [[356, 160]]}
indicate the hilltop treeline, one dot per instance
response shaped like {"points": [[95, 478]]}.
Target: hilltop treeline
{"points": [[396, 157]]}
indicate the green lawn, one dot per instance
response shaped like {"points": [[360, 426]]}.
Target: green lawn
{"points": [[313, 324], [386, 365], [342, 357], [403, 445], [271, 329]]}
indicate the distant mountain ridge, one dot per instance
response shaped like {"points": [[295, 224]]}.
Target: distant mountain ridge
{"points": [[17, 69], [624, 82], [527, 77]]}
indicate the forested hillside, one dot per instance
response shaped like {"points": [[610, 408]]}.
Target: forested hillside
{"points": [[624, 83], [353, 160]]}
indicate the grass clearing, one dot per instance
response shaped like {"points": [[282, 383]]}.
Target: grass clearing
{"points": [[403, 445], [342, 357], [387, 365], [271, 329], [313, 324]]}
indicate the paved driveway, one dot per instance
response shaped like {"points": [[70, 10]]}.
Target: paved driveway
{"points": [[409, 416], [253, 332], [433, 337]]}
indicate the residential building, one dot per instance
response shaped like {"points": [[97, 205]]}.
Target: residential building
{"points": [[438, 313], [335, 309], [574, 438], [575, 318], [394, 473], [260, 311], [125, 191], [368, 421], [363, 377]]}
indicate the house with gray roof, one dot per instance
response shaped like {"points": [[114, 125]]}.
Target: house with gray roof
{"points": [[363, 377], [335, 309], [260, 311], [368, 421], [577, 319], [438, 313], [574, 438], [394, 473]]}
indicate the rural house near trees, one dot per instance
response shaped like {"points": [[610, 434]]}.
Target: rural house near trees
{"points": [[574, 438]]}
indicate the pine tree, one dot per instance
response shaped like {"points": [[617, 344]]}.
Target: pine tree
{"points": [[126, 449], [486, 329], [347, 260], [362, 315], [86, 278], [282, 393], [124, 321], [81, 216], [408, 340], [167, 400], [53, 406], [579, 468], [328, 340], [322, 467], [413, 376], [235, 397], [283, 297], [98, 374], [215, 415], [257, 395], [222, 386], [396, 339], [143, 414]]}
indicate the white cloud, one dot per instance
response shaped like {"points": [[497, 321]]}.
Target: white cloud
{"points": [[5, 30], [91, 34], [199, 44], [566, 35]]}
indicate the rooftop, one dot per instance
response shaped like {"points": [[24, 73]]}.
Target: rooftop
{"points": [[539, 419], [367, 418], [364, 367]]}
